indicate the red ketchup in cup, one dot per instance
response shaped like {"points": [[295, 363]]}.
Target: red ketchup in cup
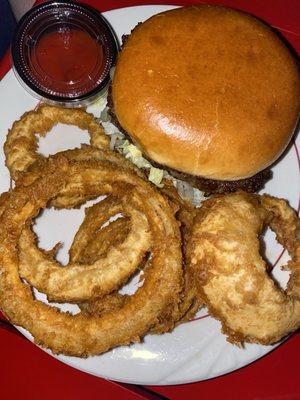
{"points": [[62, 53]]}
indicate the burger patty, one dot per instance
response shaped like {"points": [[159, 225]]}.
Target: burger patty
{"points": [[208, 186], [211, 186]]}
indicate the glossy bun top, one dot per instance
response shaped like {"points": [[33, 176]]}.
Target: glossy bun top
{"points": [[207, 90]]}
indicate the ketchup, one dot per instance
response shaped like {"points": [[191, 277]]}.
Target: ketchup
{"points": [[63, 52], [67, 59]]}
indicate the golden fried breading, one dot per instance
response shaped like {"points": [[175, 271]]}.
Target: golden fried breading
{"points": [[93, 239], [82, 335], [20, 147], [230, 272], [189, 297], [78, 282], [85, 153]]}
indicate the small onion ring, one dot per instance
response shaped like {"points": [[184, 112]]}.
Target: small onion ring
{"points": [[20, 147], [92, 240], [79, 282]]}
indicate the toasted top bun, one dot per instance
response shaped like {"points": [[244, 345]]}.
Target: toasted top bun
{"points": [[207, 90]]}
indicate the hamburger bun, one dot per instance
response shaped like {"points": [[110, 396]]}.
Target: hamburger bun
{"points": [[208, 91]]}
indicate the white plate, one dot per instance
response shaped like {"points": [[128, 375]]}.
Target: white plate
{"points": [[194, 351]]}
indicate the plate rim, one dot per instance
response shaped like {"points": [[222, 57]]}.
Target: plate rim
{"points": [[294, 144]]}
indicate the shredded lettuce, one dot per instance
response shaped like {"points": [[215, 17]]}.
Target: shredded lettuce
{"points": [[156, 176], [104, 116], [112, 72], [198, 197], [135, 155], [112, 143], [132, 151], [98, 106]]}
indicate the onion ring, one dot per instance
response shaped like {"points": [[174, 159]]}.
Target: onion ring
{"points": [[92, 240], [190, 302], [79, 282], [79, 335], [85, 153], [20, 147], [230, 273], [45, 273]]}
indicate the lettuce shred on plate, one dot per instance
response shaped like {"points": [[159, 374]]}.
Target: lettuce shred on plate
{"points": [[131, 152]]}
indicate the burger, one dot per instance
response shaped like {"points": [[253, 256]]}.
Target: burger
{"points": [[210, 94]]}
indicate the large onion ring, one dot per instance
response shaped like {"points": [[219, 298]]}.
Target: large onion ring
{"points": [[20, 147], [80, 335], [232, 276]]}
